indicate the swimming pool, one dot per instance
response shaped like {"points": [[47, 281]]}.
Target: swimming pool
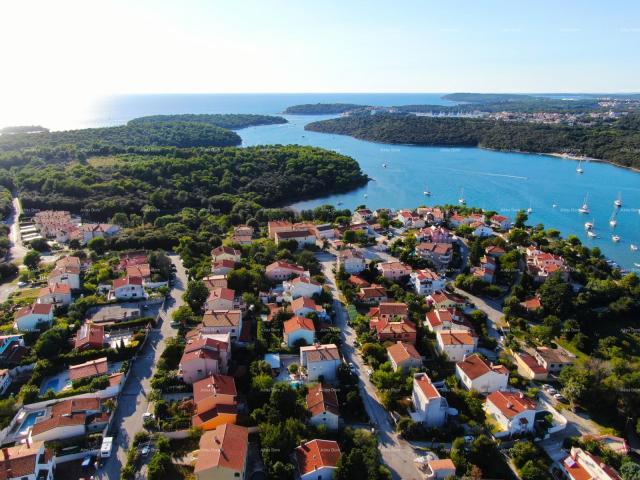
{"points": [[29, 421], [51, 384]]}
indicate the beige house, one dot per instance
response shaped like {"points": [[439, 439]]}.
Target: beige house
{"points": [[222, 453]]}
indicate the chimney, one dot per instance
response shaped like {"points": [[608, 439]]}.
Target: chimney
{"points": [[5, 454], [28, 442]]}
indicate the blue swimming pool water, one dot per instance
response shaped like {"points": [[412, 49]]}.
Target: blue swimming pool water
{"points": [[51, 384], [29, 421]]}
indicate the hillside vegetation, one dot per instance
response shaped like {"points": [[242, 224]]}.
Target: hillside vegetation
{"points": [[616, 142]]}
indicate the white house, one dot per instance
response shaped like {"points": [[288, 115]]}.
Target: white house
{"points": [[317, 459], [513, 412], [440, 469], [581, 465], [351, 261], [56, 294], [68, 418], [394, 270], [429, 407], [323, 406], [128, 288], [481, 230], [27, 461], [456, 344], [28, 318], [220, 299], [5, 380], [404, 356], [301, 287], [222, 322], [362, 215], [302, 237], [500, 221], [67, 271], [320, 361], [426, 281], [444, 319], [478, 374], [299, 328]]}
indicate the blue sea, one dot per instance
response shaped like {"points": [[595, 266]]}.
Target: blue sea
{"points": [[505, 182]]}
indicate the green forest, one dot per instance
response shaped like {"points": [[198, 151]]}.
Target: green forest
{"points": [[171, 179], [616, 142], [175, 134], [322, 108], [229, 121]]}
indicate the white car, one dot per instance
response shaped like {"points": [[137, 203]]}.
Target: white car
{"points": [[552, 391], [22, 284], [145, 450]]}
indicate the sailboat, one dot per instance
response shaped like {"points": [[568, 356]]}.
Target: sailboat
{"points": [[585, 206], [384, 165], [612, 221], [427, 192], [589, 225], [618, 201], [579, 169], [461, 200], [530, 209], [633, 247], [590, 232], [615, 238]]}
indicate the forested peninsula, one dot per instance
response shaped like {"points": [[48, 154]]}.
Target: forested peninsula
{"points": [[322, 108], [617, 141], [229, 121]]}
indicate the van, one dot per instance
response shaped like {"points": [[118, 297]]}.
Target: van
{"points": [[105, 449]]}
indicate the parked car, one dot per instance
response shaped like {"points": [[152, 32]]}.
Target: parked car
{"points": [[546, 386], [145, 450], [468, 438], [352, 368], [22, 284], [560, 398], [552, 391]]}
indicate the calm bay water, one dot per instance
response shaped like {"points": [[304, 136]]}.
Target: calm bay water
{"points": [[505, 182]]}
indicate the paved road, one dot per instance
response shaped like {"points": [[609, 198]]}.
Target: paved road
{"points": [[17, 251], [133, 401], [397, 454]]}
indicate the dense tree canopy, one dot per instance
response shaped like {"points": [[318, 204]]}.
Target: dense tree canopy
{"points": [[616, 141], [230, 121]]}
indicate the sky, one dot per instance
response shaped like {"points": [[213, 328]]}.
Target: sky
{"points": [[53, 51]]}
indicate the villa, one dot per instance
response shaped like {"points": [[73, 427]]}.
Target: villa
{"points": [[323, 406], [317, 459], [478, 374], [222, 453], [429, 407], [320, 362], [513, 412], [425, 282]]}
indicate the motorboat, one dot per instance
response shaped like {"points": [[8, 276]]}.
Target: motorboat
{"points": [[618, 201], [615, 238], [585, 205]]}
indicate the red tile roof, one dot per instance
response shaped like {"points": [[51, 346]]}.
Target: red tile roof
{"points": [[511, 403], [121, 282], [426, 387], [89, 369], [401, 352], [304, 302], [222, 318], [456, 338], [298, 323], [36, 309], [224, 447], [286, 265], [475, 366], [90, 335], [317, 454], [322, 399], [21, 461], [56, 289], [212, 386], [221, 293]]}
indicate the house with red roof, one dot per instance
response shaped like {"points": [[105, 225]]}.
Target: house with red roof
{"points": [[204, 356], [394, 270], [323, 406], [426, 281], [215, 399], [528, 366], [28, 318], [222, 453], [56, 294], [222, 322], [403, 356], [440, 469], [477, 373], [29, 460], [390, 322], [73, 417], [542, 264], [444, 299], [512, 411], [372, 295], [303, 306], [226, 253], [317, 459], [302, 237], [91, 368], [299, 328], [139, 270], [222, 267], [582, 465], [90, 335], [220, 299], [532, 305], [128, 288], [429, 407], [280, 270], [456, 344], [443, 319], [440, 254], [215, 281]]}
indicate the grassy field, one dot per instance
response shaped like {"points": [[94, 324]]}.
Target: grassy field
{"points": [[106, 161]]}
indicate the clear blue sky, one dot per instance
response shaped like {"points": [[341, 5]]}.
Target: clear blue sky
{"points": [[75, 47]]}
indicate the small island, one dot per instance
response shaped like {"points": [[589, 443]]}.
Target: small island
{"points": [[234, 121]]}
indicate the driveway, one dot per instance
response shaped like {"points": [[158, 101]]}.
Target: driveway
{"points": [[16, 252], [397, 454], [133, 402]]}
